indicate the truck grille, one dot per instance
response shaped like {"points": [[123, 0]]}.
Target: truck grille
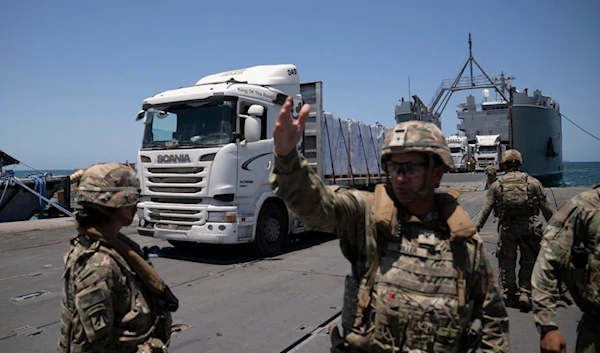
{"points": [[169, 216], [176, 182]]}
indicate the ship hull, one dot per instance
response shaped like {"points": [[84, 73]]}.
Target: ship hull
{"points": [[19, 204], [536, 133]]}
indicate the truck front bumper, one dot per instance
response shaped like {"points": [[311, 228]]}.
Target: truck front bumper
{"points": [[217, 229]]}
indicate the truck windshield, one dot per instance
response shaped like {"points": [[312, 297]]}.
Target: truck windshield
{"points": [[196, 124], [455, 150], [487, 149]]}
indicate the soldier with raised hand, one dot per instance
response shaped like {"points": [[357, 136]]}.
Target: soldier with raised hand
{"points": [[570, 252], [421, 280], [517, 199], [113, 299]]}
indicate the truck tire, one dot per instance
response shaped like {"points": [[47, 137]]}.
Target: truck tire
{"points": [[271, 230]]}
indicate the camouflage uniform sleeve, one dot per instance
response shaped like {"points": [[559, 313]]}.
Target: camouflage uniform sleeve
{"points": [[543, 202], [319, 207], [489, 307], [490, 201], [553, 258], [95, 288]]}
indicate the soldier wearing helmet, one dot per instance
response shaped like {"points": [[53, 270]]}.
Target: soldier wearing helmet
{"points": [[490, 172], [517, 198], [113, 299], [420, 274]]}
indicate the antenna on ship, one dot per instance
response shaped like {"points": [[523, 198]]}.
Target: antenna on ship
{"points": [[471, 58]]}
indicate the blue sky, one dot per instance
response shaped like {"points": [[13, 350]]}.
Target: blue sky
{"points": [[73, 74]]}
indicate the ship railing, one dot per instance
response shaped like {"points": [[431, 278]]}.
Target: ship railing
{"points": [[465, 82], [546, 101], [437, 94]]}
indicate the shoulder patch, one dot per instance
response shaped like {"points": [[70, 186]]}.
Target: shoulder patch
{"points": [[95, 311]]}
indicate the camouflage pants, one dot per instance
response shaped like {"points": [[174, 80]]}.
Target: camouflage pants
{"points": [[489, 182], [588, 334], [525, 237]]}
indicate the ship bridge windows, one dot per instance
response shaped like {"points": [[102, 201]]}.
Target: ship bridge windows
{"points": [[494, 106]]}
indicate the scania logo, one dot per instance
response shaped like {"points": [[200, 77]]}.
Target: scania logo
{"points": [[173, 158]]}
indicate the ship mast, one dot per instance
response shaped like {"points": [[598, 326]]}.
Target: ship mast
{"points": [[448, 86]]}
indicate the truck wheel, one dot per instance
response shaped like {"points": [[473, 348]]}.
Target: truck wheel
{"points": [[271, 230]]}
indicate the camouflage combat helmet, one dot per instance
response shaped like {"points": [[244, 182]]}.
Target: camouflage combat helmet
{"points": [[511, 155], [416, 136], [108, 185]]}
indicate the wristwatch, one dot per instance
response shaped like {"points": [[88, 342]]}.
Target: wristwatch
{"points": [[545, 329]]}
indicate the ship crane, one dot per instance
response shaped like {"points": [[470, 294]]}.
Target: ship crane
{"points": [[444, 92]]}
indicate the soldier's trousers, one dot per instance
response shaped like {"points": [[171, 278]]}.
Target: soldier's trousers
{"points": [[526, 237], [588, 334]]}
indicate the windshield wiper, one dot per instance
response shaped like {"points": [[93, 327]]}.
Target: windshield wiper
{"points": [[155, 145], [192, 144]]}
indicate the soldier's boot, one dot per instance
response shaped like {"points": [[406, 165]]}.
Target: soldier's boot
{"points": [[563, 294], [338, 344], [565, 298], [511, 300], [524, 302]]}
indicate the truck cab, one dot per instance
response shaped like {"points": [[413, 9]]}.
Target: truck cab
{"points": [[459, 148], [206, 155], [488, 151]]}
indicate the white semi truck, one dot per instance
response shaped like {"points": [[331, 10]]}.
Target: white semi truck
{"points": [[459, 148], [207, 152], [488, 151]]}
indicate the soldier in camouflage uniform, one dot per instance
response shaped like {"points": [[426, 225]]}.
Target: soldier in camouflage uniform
{"points": [[420, 275], [113, 299], [516, 199], [472, 163], [570, 252], [490, 172]]}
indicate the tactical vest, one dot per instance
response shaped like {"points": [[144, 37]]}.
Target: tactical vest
{"points": [[584, 268], [515, 199], [124, 340], [412, 297]]}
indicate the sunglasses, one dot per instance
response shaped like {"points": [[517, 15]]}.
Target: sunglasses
{"points": [[409, 169]]}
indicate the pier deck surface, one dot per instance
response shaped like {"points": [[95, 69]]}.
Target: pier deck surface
{"points": [[231, 300]]}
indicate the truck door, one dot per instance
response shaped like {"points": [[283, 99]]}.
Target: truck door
{"points": [[255, 159]]}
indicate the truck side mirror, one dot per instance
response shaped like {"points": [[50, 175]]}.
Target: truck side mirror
{"points": [[252, 125], [140, 115], [256, 110], [252, 129]]}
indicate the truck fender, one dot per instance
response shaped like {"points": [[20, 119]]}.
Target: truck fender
{"points": [[259, 206]]}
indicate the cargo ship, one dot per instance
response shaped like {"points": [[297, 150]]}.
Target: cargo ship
{"points": [[529, 123]]}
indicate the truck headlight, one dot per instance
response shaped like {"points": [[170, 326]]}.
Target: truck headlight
{"points": [[222, 217], [140, 212]]}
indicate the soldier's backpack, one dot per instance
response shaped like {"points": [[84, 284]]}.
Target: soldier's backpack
{"points": [[515, 196]]}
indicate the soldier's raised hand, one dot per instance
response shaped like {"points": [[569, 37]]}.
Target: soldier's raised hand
{"points": [[288, 131]]}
